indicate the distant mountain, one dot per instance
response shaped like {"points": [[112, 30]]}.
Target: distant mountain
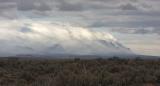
{"points": [[67, 56], [86, 42], [51, 39]]}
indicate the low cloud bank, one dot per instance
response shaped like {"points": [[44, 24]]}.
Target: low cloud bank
{"points": [[49, 38]]}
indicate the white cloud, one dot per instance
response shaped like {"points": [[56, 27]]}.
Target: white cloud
{"points": [[44, 37], [131, 16]]}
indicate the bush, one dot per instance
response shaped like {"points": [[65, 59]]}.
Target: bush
{"points": [[76, 72]]}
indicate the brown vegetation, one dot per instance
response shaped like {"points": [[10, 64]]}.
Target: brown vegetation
{"points": [[98, 72]]}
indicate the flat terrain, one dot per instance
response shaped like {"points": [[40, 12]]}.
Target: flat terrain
{"points": [[76, 72]]}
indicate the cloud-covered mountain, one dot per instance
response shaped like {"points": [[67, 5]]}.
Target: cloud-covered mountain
{"points": [[49, 38], [136, 23]]}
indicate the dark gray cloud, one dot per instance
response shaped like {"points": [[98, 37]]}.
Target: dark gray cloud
{"points": [[149, 30], [92, 13], [129, 23], [8, 10], [1, 1], [66, 6], [78, 5], [157, 30], [25, 29], [128, 7], [27, 5], [6, 6]]}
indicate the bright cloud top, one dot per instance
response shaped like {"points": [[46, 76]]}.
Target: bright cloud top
{"points": [[44, 37]]}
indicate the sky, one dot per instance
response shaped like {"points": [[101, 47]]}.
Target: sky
{"points": [[134, 23]]}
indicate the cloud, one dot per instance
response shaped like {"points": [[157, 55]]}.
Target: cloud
{"points": [[79, 5], [46, 37], [27, 5], [91, 13], [25, 29], [128, 7], [67, 6], [8, 10], [4, 1], [128, 21], [149, 30]]}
